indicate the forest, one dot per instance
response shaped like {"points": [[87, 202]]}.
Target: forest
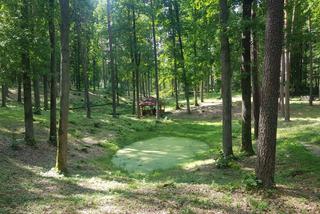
{"points": [[159, 106]]}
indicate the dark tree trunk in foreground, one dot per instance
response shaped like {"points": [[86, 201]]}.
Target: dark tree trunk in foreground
{"points": [[255, 75], [246, 80], [155, 55], [53, 76], [112, 62], [266, 148], [184, 72], [226, 80], [45, 93], [61, 161], [36, 91], [27, 88], [4, 95]]}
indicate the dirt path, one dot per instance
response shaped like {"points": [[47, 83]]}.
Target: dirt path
{"points": [[211, 110]]}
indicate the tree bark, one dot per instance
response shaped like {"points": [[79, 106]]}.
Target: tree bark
{"points": [[266, 149], [36, 92], [287, 67], [112, 66], [155, 55], [61, 161], [282, 83], [19, 100], [246, 80], [195, 93], [53, 76], [78, 52], [202, 91], [136, 59], [311, 66], [27, 95], [174, 55], [86, 79], [4, 95], [226, 80], [94, 74], [255, 75]]}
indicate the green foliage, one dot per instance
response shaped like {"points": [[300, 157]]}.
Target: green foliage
{"points": [[251, 182], [225, 162]]}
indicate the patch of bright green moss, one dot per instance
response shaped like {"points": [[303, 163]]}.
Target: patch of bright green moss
{"points": [[158, 154]]}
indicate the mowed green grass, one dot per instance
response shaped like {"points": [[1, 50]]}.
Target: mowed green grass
{"points": [[96, 185]]}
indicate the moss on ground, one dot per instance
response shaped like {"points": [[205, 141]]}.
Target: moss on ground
{"points": [[158, 154]]}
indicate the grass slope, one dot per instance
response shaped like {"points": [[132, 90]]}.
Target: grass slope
{"points": [[96, 185]]}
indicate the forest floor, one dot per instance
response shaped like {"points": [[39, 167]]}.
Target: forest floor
{"points": [[95, 185]]}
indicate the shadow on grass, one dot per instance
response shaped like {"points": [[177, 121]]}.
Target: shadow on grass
{"points": [[180, 199], [22, 189]]}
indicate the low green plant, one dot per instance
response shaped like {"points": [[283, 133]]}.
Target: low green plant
{"points": [[251, 182]]}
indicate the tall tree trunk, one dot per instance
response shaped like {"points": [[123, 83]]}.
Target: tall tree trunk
{"points": [[4, 95], [19, 100], [95, 74], [112, 66], [311, 66], [53, 77], [149, 83], [45, 92], [212, 82], [61, 162], [282, 83], [195, 93], [131, 47], [174, 56], [117, 80], [27, 97], [202, 91], [287, 67], [104, 74], [226, 80], [136, 59], [246, 80], [184, 72], [79, 48], [86, 79], [155, 55], [255, 75], [59, 74], [36, 92], [266, 149]]}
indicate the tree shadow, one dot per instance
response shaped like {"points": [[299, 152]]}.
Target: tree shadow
{"points": [[21, 188]]}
